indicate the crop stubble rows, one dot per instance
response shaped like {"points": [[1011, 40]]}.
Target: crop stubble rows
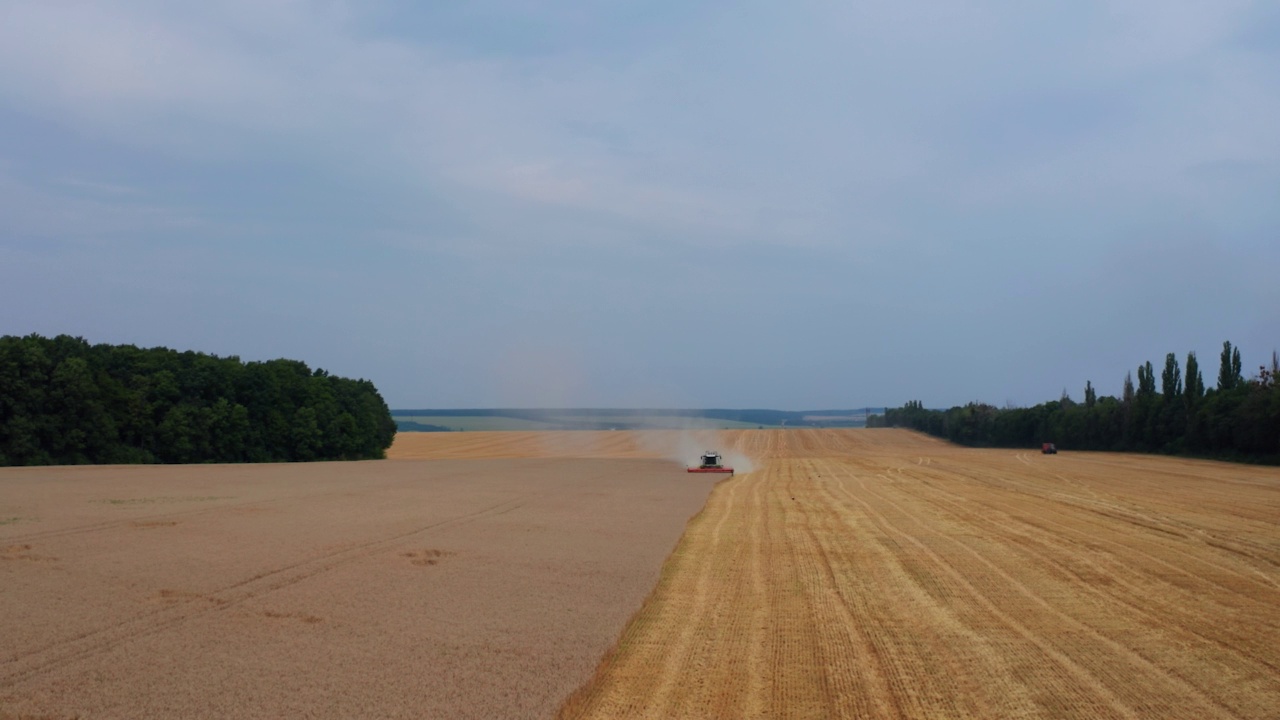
{"points": [[883, 574]]}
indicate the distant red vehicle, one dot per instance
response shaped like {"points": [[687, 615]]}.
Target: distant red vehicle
{"points": [[1049, 449]]}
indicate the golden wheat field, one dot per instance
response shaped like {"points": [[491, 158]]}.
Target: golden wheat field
{"points": [[841, 573], [413, 589]]}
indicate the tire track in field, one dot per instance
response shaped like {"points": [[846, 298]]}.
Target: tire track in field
{"points": [[858, 683], [1035, 535], [127, 521], [756, 703], [1154, 513], [1183, 634], [1084, 685], [962, 673], [1169, 467], [1145, 608], [1089, 668], [730, 684], [1020, 514], [1183, 530], [800, 684], [970, 587], [1254, 682], [25, 665]]}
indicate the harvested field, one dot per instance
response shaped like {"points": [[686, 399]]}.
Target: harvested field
{"points": [[448, 588], [882, 574]]}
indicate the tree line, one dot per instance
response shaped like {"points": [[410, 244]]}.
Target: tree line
{"points": [[64, 401], [1172, 412]]}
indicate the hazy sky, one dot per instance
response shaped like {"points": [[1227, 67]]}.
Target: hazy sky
{"points": [[723, 204]]}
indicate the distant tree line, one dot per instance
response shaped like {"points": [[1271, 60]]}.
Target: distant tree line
{"points": [[1172, 412], [64, 401]]}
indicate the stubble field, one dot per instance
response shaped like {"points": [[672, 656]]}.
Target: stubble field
{"points": [[850, 573], [881, 574]]}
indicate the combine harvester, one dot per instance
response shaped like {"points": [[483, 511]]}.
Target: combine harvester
{"points": [[711, 463]]}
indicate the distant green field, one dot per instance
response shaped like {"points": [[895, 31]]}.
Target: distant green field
{"points": [[469, 423], [666, 422], [462, 419]]}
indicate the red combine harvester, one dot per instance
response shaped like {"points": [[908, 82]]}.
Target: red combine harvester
{"points": [[711, 463]]}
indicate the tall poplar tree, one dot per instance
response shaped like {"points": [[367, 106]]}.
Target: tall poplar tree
{"points": [[1146, 380], [1171, 378], [1195, 383], [1229, 369]]}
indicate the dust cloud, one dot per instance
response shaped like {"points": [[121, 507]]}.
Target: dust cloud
{"points": [[686, 445], [541, 373]]}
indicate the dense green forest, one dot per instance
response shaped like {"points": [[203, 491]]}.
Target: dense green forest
{"points": [[64, 401], [1170, 412]]}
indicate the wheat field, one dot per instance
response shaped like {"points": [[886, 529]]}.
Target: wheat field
{"points": [[396, 589]]}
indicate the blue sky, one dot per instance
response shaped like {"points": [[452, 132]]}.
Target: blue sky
{"points": [[789, 205]]}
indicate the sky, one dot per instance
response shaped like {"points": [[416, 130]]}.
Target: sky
{"points": [[742, 204]]}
